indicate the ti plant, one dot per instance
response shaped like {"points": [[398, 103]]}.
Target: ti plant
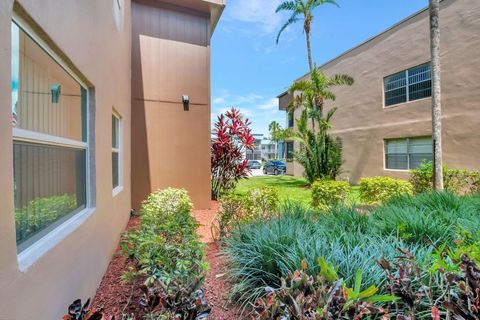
{"points": [[325, 297], [183, 302], [450, 288], [77, 311]]}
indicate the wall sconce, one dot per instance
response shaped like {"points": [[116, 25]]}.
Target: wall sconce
{"points": [[56, 90], [186, 102]]}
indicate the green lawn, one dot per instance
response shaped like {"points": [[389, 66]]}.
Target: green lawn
{"points": [[289, 188]]}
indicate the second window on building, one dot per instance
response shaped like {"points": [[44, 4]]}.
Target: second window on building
{"points": [[407, 153]]}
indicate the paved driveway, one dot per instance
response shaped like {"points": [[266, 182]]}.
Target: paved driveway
{"points": [[256, 172]]}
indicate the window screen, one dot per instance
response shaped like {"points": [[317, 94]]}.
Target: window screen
{"points": [[408, 85], [409, 153]]}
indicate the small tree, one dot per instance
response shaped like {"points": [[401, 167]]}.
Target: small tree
{"points": [[231, 138]]}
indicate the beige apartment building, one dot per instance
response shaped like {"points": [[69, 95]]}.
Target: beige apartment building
{"points": [[101, 102], [384, 119]]}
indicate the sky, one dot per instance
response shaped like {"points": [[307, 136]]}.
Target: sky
{"points": [[249, 70]]}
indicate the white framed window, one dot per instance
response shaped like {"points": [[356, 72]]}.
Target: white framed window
{"points": [[50, 140], [408, 85], [407, 153], [117, 177]]}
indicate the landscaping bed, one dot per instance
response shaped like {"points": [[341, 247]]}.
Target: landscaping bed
{"points": [[117, 297]]}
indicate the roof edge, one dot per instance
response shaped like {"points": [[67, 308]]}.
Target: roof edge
{"points": [[216, 11]]}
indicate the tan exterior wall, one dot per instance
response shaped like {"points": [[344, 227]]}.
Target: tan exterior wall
{"points": [[85, 32], [364, 123], [170, 58]]}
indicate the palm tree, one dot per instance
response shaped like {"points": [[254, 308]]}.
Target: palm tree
{"points": [[275, 132], [436, 95], [314, 92], [302, 9]]}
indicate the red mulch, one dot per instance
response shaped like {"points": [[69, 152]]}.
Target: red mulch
{"points": [[116, 297]]}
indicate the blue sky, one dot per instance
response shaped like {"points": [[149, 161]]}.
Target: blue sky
{"points": [[249, 70]]}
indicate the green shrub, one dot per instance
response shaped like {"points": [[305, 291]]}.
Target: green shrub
{"points": [[457, 181], [328, 193], [261, 203], [231, 211], [165, 245], [379, 190]]}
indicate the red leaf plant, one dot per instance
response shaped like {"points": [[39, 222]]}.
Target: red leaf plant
{"points": [[231, 137]]}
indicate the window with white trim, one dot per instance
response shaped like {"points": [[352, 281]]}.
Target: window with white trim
{"points": [[407, 153], [116, 152], [409, 85], [50, 145]]}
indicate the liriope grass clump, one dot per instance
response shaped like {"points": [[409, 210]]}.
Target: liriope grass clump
{"points": [[262, 252]]}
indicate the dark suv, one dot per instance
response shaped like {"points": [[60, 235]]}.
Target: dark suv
{"points": [[275, 167]]}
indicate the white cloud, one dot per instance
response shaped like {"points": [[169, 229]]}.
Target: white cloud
{"points": [[271, 104], [259, 12]]}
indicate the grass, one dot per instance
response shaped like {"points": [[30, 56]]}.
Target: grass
{"points": [[289, 188], [260, 253]]}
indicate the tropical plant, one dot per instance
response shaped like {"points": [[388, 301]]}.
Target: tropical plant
{"points": [[436, 94], [320, 154], [311, 94], [232, 137], [324, 297], [77, 311], [302, 9]]}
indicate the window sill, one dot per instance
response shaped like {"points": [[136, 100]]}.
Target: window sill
{"points": [[116, 191], [397, 170], [30, 255], [393, 106]]}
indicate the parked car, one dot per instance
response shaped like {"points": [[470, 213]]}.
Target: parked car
{"points": [[254, 164], [275, 167]]}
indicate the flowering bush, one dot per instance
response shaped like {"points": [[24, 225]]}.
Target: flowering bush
{"points": [[232, 137]]}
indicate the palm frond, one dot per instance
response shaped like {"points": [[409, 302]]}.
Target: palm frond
{"points": [[316, 3], [291, 20], [340, 79], [301, 85], [287, 6]]}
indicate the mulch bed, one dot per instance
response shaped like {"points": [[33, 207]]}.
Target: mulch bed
{"points": [[116, 297]]}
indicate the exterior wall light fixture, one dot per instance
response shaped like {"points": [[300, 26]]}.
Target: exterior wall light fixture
{"points": [[186, 102]]}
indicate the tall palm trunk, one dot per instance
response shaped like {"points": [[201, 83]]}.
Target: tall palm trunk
{"points": [[436, 95], [306, 28]]}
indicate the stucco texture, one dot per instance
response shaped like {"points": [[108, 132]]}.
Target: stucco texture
{"points": [[85, 32], [362, 121]]}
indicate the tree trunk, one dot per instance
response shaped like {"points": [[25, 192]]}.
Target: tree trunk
{"points": [[436, 95], [309, 49]]}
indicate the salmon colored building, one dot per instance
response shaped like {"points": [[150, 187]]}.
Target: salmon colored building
{"points": [[101, 103], [384, 118]]}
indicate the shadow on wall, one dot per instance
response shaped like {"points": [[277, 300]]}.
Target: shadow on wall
{"points": [[170, 58]]}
